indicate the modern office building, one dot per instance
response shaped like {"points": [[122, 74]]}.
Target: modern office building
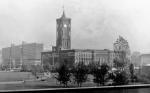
{"points": [[24, 54]]}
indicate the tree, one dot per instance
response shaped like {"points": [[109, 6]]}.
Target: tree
{"points": [[118, 63], [35, 69], [47, 67], [121, 78], [111, 76], [80, 72], [121, 61], [91, 67], [4, 67], [132, 74], [63, 75], [99, 73], [24, 68]]}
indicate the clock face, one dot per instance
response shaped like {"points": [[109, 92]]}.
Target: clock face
{"points": [[65, 25]]}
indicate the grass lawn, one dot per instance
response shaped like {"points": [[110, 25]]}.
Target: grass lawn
{"points": [[49, 83], [38, 85], [19, 76]]}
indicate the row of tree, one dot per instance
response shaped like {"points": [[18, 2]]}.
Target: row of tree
{"points": [[102, 73]]}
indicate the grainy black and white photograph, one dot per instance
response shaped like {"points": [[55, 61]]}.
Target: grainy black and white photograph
{"points": [[75, 46]]}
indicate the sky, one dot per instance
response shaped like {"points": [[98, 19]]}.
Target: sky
{"points": [[95, 24]]}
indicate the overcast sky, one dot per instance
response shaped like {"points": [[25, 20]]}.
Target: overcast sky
{"points": [[95, 23]]}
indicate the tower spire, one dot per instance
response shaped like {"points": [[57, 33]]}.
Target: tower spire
{"points": [[63, 15]]}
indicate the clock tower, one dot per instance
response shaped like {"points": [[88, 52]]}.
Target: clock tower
{"points": [[63, 33]]}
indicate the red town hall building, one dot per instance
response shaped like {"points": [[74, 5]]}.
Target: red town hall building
{"points": [[62, 52]]}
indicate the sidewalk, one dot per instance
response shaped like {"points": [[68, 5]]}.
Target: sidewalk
{"points": [[17, 82], [12, 82]]}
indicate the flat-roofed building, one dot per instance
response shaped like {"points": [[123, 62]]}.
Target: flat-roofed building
{"points": [[145, 59], [136, 59], [24, 54], [73, 56]]}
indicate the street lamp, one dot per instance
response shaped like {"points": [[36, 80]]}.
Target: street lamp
{"points": [[21, 61]]}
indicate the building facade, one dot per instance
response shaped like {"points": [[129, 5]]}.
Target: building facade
{"points": [[73, 56], [145, 59], [63, 54], [136, 59], [25, 54]]}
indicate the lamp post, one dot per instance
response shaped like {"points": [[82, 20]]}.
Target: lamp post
{"points": [[21, 61], [10, 57]]}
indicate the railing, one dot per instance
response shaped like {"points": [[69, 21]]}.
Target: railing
{"points": [[144, 88]]}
